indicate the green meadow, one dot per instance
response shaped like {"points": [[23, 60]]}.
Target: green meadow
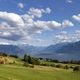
{"points": [[16, 72]]}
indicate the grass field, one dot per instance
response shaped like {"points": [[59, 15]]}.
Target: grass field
{"points": [[15, 72]]}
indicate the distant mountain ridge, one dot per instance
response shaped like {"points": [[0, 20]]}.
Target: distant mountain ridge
{"points": [[63, 48], [68, 51], [57, 48], [11, 49], [30, 49], [62, 51], [53, 48], [70, 48]]}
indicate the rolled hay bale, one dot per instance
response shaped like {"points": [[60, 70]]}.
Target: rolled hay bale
{"points": [[4, 60]]}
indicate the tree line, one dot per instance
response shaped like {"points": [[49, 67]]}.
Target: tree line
{"points": [[31, 61]]}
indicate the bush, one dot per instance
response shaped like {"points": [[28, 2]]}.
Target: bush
{"points": [[26, 64], [59, 66], [35, 61], [76, 68], [66, 67], [52, 60], [44, 64], [52, 65], [71, 67], [55, 61], [10, 63], [31, 66], [14, 62]]}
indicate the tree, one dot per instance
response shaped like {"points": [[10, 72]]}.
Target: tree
{"points": [[31, 60], [3, 54], [15, 56], [25, 59]]}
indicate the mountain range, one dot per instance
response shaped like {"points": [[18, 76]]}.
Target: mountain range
{"points": [[70, 48], [11, 49], [61, 51]]}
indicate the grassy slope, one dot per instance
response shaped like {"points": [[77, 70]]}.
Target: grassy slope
{"points": [[11, 72], [59, 63], [18, 72]]}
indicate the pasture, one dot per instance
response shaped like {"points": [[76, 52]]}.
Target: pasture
{"points": [[16, 72]]}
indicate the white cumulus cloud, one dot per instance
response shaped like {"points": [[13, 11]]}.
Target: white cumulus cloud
{"points": [[20, 5], [38, 12], [76, 17], [12, 18], [67, 23], [21, 28]]}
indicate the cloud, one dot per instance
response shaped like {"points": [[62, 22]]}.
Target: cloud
{"points": [[77, 35], [22, 28], [5, 33], [9, 33], [67, 23], [38, 12], [76, 17], [12, 18], [47, 24], [54, 24], [27, 18], [20, 5], [69, 1], [5, 42], [77, 31], [48, 10], [63, 36], [37, 27]]}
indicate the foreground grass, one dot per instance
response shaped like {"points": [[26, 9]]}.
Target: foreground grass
{"points": [[13, 72]]}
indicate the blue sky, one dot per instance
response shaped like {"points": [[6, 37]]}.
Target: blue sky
{"points": [[39, 22]]}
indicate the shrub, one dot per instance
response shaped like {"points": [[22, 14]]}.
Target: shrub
{"points": [[66, 67], [44, 64], [13, 62], [10, 63], [55, 61], [76, 68], [41, 58], [71, 67], [52, 60], [26, 64], [52, 65], [31, 66], [35, 61], [59, 66]]}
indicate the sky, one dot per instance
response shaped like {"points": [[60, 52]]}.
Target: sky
{"points": [[39, 22]]}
